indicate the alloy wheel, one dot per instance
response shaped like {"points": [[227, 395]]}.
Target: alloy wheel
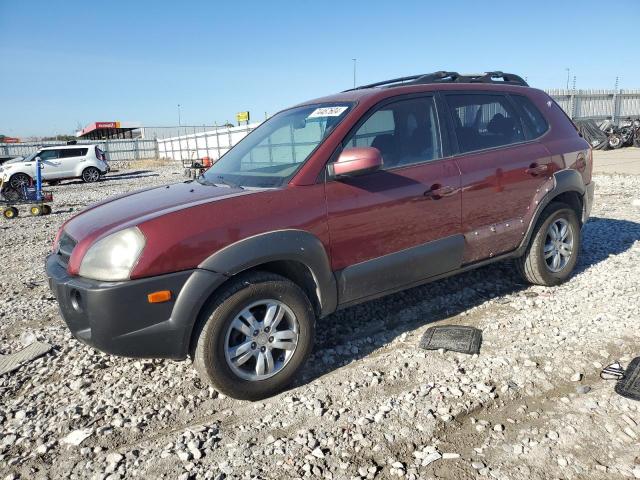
{"points": [[558, 246], [91, 175], [261, 340]]}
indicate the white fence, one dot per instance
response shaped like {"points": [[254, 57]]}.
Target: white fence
{"points": [[598, 104], [213, 142]]}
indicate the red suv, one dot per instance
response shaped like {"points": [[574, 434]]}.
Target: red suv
{"points": [[327, 204]]}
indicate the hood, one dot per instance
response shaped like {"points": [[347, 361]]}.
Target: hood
{"points": [[137, 207]]}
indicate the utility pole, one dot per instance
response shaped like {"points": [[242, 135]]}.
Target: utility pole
{"points": [[354, 71], [568, 71], [179, 116]]}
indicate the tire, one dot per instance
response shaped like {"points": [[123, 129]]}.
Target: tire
{"points": [[18, 180], [214, 337], [533, 266], [615, 141], [36, 210], [46, 209], [90, 175], [10, 213]]}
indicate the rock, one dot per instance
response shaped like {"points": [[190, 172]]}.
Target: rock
{"points": [[576, 377], [76, 437], [430, 458], [317, 452], [114, 458]]}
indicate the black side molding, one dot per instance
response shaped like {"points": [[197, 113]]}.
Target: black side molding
{"points": [[398, 269], [291, 245]]}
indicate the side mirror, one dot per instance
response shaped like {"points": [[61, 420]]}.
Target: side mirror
{"points": [[356, 161]]}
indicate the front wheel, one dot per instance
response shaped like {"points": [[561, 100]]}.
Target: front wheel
{"points": [[255, 336], [554, 247], [90, 175], [19, 180]]}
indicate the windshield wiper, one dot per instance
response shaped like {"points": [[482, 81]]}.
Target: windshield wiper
{"points": [[228, 183], [203, 181]]}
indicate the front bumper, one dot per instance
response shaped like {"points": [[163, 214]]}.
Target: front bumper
{"points": [[587, 201], [116, 318]]}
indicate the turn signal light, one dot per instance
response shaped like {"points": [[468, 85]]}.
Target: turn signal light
{"points": [[159, 297]]}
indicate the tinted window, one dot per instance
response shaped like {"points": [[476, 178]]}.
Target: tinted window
{"points": [[534, 120], [405, 132], [484, 121], [49, 154], [73, 152]]}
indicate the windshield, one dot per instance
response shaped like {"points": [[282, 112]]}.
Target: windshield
{"points": [[28, 158], [271, 154]]}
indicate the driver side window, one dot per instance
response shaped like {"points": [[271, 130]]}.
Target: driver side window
{"points": [[406, 132]]}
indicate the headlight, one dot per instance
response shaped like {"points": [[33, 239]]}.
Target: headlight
{"points": [[113, 257]]}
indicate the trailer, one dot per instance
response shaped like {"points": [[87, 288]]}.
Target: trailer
{"points": [[30, 195]]}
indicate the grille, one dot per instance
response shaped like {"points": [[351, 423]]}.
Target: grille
{"points": [[65, 248]]}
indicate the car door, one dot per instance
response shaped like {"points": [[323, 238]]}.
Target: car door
{"points": [[501, 171], [397, 226], [50, 164], [70, 159]]}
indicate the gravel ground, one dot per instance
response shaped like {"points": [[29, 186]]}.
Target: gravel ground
{"points": [[371, 404]]}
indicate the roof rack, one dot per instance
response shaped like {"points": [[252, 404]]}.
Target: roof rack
{"points": [[449, 77]]}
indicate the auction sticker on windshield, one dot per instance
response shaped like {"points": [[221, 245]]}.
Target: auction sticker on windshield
{"points": [[327, 112]]}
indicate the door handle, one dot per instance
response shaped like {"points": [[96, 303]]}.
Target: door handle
{"points": [[437, 191], [536, 169]]}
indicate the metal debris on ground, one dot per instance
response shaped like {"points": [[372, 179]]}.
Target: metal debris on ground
{"points": [[629, 385], [614, 371], [9, 363], [457, 338]]}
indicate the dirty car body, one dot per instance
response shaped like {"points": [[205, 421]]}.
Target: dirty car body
{"points": [[340, 199]]}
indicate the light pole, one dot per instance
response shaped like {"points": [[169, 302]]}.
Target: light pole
{"points": [[568, 71], [179, 117], [354, 71]]}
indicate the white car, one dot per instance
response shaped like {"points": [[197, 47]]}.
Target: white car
{"points": [[87, 162]]}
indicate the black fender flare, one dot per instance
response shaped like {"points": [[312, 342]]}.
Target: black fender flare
{"points": [[566, 180], [289, 245]]}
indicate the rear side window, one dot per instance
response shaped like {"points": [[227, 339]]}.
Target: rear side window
{"points": [[73, 152], [484, 121], [534, 121], [406, 132]]}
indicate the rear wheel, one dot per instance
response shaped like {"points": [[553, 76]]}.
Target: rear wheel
{"points": [[10, 213], [554, 247], [255, 336], [36, 210], [19, 180], [90, 175], [46, 209]]}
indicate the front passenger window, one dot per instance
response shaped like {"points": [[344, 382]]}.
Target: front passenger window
{"points": [[406, 132]]}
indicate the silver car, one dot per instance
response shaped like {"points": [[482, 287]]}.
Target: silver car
{"points": [[87, 162]]}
